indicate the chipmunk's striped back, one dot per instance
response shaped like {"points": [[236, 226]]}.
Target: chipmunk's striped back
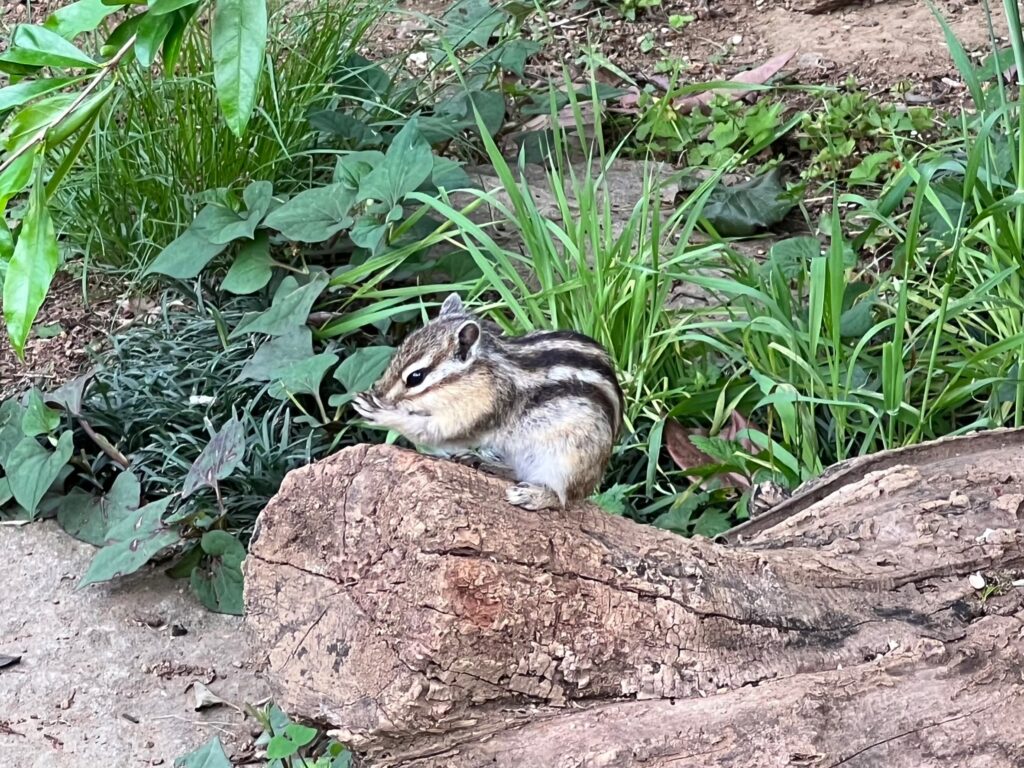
{"points": [[548, 403]]}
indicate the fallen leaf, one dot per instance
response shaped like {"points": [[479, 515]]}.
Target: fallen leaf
{"points": [[9, 661], [205, 698], [756, 76]]}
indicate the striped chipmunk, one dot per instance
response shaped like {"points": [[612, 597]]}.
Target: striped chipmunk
{"points": [[546, 407]]}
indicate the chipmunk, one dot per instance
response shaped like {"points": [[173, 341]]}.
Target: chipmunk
{"points": [[547, 404]]}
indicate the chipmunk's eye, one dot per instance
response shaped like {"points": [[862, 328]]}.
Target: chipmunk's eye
{"points": [[416, 377]]}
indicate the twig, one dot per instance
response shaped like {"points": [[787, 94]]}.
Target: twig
{"points": [[104, 444], [93, 84]]}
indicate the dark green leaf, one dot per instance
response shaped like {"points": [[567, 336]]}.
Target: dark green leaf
{"points": [[219, 585], [224, 225], [76, 18], [351, 169], [277, 354], [363, 367], [239, 41], [447, 174], [11, 416], [471, 22], [14, 180], [313, 215], [251, 269], [362, 81], [456, 115], [121, 35], [871, 167], [5, 491], [19, 93], [192, 250], [37, 46], [289, 309], [218, 460], [31, 269], [344, 127], [368, 232], [857, 320], [152, 30], [31, 469], [188, 562], [407, 164], [69, 395], [513, 54], [90, 518], [38, 419], [792, 256], [210, 755], [34, 118], [303, 377], [678, 518], [711, 523], [747, 208], [168, 6], [131, 543], [174, 39]]}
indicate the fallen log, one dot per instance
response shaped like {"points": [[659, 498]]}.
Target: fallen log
{"points": [[398, 600]]}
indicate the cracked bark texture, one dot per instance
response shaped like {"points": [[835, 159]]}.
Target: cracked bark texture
{"points": [[398, 599]]}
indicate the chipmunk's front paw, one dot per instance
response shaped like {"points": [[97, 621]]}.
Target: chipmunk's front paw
{"points": [[531, 497]]}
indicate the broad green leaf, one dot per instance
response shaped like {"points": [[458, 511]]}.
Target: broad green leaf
{"points": [[5, 491], [31, 469], [19, 93], [219, 584], [90, 518], [457, 114], [34, 118], [218, 460], [871, 167], [346, 127], [747, 208], [14, 180], [40, 47], [251, 269], [11, 417], [233, 226], [407, 164], [448, 174], [362, 81], [152, 30], [239, 41], [31, 269], [290, 308], [131, 542], [69, 394], [192, 250], [303, 377], [368, 232], [294, 738], [313, 215], [363, 367], [471, 22], [711, 523], [277, 354], [83, 115], [174, 39], [210, 755], [792, 256], [350, 169], [38, 418], [858, 319], [83, 16], [168, 6], [678, 517], [121, 35]]}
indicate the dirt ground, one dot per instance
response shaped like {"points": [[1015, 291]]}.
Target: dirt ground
{"points": [[105, 672], [103, 675]]}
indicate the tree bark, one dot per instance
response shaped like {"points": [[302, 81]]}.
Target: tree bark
{"points": [[399, 600]]}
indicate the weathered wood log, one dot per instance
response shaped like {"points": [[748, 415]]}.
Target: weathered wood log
{"points": [[400, 601]]}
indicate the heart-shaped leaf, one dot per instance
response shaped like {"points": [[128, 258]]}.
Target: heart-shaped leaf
{"points": [[131, 543], [303, 377], [219, 458], [90, 518], [314, 215], [407, 164], [289, 309], [251, 269], [210, 755], [219, 584], [31, 469], [277, 354], [360, 370], [38, 419]]}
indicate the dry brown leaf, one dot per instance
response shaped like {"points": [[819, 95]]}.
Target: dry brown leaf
{"points": [[687, 456], [756, 76]]}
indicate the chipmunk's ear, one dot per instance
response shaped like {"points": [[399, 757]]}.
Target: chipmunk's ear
{"points": [[467, 337], [452, 306]]}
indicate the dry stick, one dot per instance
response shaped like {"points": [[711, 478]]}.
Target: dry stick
{"points": [[105, 70], [105, 445]]}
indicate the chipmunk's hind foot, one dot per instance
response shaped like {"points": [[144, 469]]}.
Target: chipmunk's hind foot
{"points": [[533, 497]]}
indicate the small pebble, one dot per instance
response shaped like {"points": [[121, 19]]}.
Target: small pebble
{"points": [[977, 581]]}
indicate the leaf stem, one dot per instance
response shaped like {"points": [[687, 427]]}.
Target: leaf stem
{"points": [[107, 68]]}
